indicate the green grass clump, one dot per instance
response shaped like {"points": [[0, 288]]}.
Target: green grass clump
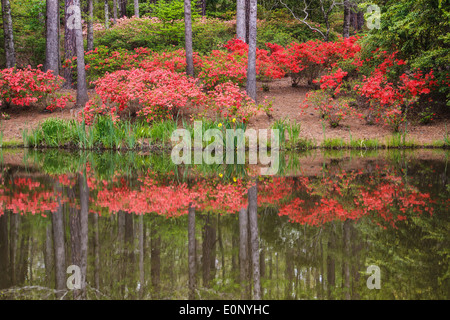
{"points": [[335, 143]]}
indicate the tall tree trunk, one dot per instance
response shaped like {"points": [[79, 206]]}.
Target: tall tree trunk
{"points": [[243, 253], [247, 20], [123, 8], [59, 247], [136, 8], [192, 252], [254, 240], [8, 34], [188, 38], [52, 37], [346, 28], [115, 10], [106, 9], [240, 20], [82, 96], [251, 69], [90, 26], [69, 45]]}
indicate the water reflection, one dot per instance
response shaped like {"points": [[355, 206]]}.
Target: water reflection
{"points": [[149, 231]]}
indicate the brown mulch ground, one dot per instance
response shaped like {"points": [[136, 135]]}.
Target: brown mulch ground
{"points": [[287, 101]]}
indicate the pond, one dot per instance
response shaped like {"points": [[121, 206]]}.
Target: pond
{"points": [[330, 225]]}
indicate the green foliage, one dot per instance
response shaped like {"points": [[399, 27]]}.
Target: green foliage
{"points": [[419, 30], [28, 18]]}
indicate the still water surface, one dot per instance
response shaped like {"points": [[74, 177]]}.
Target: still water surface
{"points": [[134, 226]]}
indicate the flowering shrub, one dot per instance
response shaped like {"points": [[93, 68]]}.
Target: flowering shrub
{"points": [[392, 99], [30, 86], [308, 60], [332, 81], [230, 102], [155, 93], [334, 110], [221, 67]]}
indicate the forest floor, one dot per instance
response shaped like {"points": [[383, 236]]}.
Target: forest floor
{"points": [[286, 105]]}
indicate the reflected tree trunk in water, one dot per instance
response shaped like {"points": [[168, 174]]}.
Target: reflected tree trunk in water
{"points": [[121, 268], [155, 263], [222, 250], [356, 251], [254, 239], [235, 253], [96, 252], [79, 234], [208, 250], [289, 273], [5, 280], [192, 259], [48, 255], [141, 257], [331, 276], [59, 248], [14, 231], [347, 258], [84, 215], [23, 253], [243, 253]]}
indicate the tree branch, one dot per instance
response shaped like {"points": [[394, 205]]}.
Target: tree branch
{"points": [[305, 10]]}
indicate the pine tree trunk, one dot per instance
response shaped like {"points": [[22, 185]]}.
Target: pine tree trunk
{"points": [[90, 26], [106, 8], [251, 69], [8, 34], [52, 39], [188, 38], [115, 10], [136, 8], [82, 96], [247, 20], [240, 20], [123, 8], [69, 45], [346, 31]]}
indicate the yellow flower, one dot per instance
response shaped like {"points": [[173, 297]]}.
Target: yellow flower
{"points": [[234, 179], [219, 125], [220, 175], [234, 120]]}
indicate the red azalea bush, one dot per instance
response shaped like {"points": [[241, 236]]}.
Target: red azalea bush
{"points": [[229, 101], [390, 98], [155, 93], [221, 67], [25, 87], [310, 59]]}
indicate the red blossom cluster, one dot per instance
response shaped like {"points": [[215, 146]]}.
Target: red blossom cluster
{"points": [[151, 90], [388, 98], [25, 87]]}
